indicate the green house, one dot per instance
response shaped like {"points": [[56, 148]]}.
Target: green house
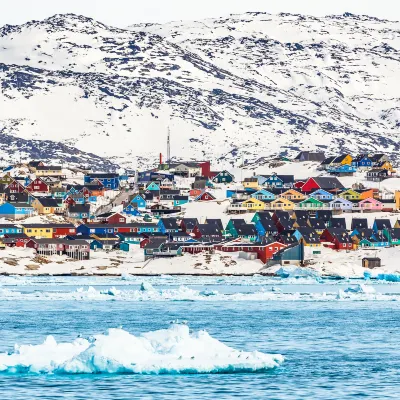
{"points": [[223, 177], [393, 236], [311, 203]]}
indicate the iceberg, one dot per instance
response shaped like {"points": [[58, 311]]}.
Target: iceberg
{"points": [[168, 351]]}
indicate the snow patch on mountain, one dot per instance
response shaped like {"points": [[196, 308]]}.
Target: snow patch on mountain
{"points": [[248, 86]]}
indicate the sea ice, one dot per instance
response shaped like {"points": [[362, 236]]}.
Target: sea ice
{"points": [[169, 351]]}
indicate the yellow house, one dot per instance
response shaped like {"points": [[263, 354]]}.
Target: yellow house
{"points": [[38, 230], [345, 159], [397, 198], [350, 194], [386, 165], [54, 170], [47, 205], [254, 205], [282, 204], [292, 194], [251, 183]]}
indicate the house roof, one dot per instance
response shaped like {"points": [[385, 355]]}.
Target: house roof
{"points": [[21, 205], [340, 158], [317, 223], [364, 233], [79, 208], [209, 229], [49, 168], [236, 222], [169, 223], [215, 221], [47, 201], [155, 243], [359, 223], [382, 224], [338, 223], [325, 182], [246, 230], [328, 160], [190, 223], [103, 175], [311, 156], [302, 215]]}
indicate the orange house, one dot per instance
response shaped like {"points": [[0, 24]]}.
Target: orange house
{"points": [[367, 194], [195, 192]]}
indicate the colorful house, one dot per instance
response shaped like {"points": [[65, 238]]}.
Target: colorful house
{"points": [[153, 186], [329, 184], [282, 204], [168, 225], [180, 200], [131, 210], [47, 205], [362, 162], [109, 181], [292, 194], [279, 181], [205, 196], [38, 186], [16, 211], [341, 204], [223, 177], [393, 236], [251, 183], [311, 204], [38, 230], [7, 229], [370, 204], [322, 195], [138, 201], [350, 194], [263, 195], [79, 211], [253, 205]]}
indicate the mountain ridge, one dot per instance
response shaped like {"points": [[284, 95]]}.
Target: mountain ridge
{"points": [[228, 88]]}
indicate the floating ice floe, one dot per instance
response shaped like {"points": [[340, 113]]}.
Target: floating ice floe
{"points": [[170, 351], [360, 288], [297, 272]]}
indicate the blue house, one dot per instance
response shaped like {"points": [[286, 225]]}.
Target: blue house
{"points": [[265, 227], [153, 186], [263, 195], [322, 195], [109, 181], [342, 169], [95, 229], [279, 181], [381, 224], [9, 229], [168, 225], [139, 201], [132, 210], [16, 210], [180, 200], [130, 237], [362, 162]]}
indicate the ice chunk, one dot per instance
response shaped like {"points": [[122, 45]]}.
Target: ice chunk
{"points": [[389, 277], [169, 351], [361, 288]]}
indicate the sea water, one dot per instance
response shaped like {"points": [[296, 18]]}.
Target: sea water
{"points": [[191, 337]]}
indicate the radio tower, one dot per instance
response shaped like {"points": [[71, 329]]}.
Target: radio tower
{"points": [[169, 146]]}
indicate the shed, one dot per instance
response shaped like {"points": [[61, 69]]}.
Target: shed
{"points": [[371, 262]]}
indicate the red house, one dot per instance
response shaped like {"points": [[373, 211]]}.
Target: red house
{"points": [[63, 230], [38, 186], [264, 251], [329, 184], [15, 187], [205, 196], [69, 201], [112, 218], [16, 240], [195, 192], [337, 238]]}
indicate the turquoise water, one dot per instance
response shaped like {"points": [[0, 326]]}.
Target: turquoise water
{"points": [[335, 346]]}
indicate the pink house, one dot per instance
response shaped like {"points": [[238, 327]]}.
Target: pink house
{"points": [[370, 204]]}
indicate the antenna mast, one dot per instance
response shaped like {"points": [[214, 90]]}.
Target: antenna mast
{"points": [[169, 146]]}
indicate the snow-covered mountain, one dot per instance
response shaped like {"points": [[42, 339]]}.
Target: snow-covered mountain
{"points": [[248, 86]]}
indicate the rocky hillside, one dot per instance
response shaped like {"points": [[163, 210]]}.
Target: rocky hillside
{"points": [[245, 87]]}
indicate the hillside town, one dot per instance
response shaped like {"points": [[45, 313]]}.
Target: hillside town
{"points": [[186, 209]]}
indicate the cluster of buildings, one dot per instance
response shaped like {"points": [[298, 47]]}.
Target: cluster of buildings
{"points": [[283, 192], [377, 167], [289, 214]]}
